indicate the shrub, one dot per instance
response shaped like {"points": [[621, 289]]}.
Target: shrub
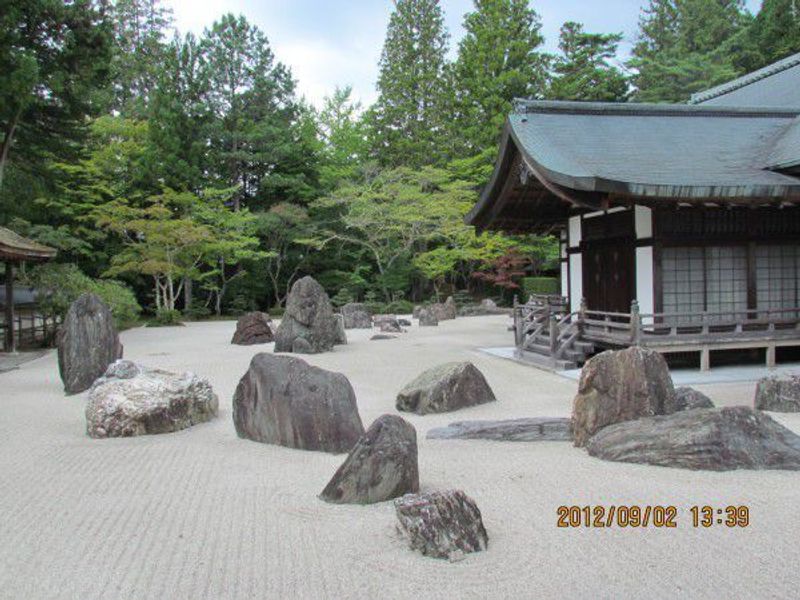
{"points": [[376, 308], [401, 307], [166, 317], [197, 311], [121, 299], [276, 311], [540, 285]]}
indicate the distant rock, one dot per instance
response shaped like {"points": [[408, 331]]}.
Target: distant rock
{"points": [[134, 400], [445, 388], [713, 439], [488, 304], [452, 307], [378, 319], [687, 398], [87, 343], [441, 524], [253, 328], [308, 325], [284, 400], [404, 322], [778, 394], [341, 334], [382, 336], [444, 311], [417, 309], [356, 316], [390, 326], [381, 466], [619, 386], [534, 429], [427, 318]]}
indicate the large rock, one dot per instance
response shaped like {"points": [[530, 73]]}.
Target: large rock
{"points": [[356, 316], [134, 400], [619, 386], [778, 394], [87, 343], [534, 429], [308, 325], [687, 398], [284, 400], [381, 466], [441, 524], [445, 388], [427, 318], [253, 328], [443, 311], [714, 439]]}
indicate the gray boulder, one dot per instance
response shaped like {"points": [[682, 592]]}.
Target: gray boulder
{"points": [[253, 328], [778, 394], [382, 336], [416, 311], [713, 439], [308, 325], [619, 386], [87, 343], [341, 334], [381, 466], [534, 429], [356, 316], [441, 524], [443, 311], [445, 388], [390, 326], [134, 400], [687, 398], [404, 322], [427, 318], [452, 307], [283, 400]]}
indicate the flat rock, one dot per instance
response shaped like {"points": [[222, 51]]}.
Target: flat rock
{"points": [[356, 316], [381, 466], [308, 325], [283, 400], [427, 318], [778, 394], [687, 398], [441, 524], [253, 328], [134, 400], [534, 429], [713, 439], [390, 326], [87, 343], [382, 336], [619, 386], [445, 388]]}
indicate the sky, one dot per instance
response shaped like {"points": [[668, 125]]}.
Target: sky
{"points": [[338, 42]]}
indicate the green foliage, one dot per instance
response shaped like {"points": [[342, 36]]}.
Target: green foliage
{"points": [[774, 34], [540, 285], [408, 116], [166, 317], [343, 131], [399, 307], [59, 285], [583, 72]]}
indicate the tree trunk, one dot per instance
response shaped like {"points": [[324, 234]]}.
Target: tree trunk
{"points": [[187, 294], [8, 138]]}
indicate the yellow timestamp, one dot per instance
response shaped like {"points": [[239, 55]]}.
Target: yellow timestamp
{"points": [[728, 516], [664, 516]]}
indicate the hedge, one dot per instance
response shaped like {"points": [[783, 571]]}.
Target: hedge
{"points": [[540, 285]]}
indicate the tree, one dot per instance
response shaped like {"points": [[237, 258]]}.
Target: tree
{"points": [[582, 72], [53, 57], [498, 60], [682, 47], [344, 135], [407, 119], [773, 35]]}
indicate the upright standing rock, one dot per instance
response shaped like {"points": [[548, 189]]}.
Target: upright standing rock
{"points": [[308, 326], [619, 386], [87, 343], [284, 400], [451, 307], [381, 466], [427, 318], [445, 388], [341, 334], [253, 328], [441, 524], [356, 316]]}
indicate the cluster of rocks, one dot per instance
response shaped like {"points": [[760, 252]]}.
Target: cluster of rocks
{"points": [[487, 306], [308, 325], [627, 410], [429, 315], [130, 400]]}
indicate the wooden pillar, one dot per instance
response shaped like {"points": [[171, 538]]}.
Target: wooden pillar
{"points": [[771, 357], [705, 359], [9, 341]]}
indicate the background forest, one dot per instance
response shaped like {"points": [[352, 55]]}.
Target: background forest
{"points": [[176, 172]]}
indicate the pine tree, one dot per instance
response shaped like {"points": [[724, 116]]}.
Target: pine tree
{"points": [[498, 60], [683, 47], [408, 117], [774, 34], [583, 72]]}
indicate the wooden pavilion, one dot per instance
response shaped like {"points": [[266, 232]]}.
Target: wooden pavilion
{"points": [[15, 249], [679, 224]]}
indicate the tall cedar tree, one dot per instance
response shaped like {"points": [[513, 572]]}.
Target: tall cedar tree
{"points": [[498, 60], [582, 72], [407, 119], [683, 47], [775, 34], [53, 57]]}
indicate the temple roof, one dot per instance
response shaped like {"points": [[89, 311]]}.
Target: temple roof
{"points": [[14, 247]]}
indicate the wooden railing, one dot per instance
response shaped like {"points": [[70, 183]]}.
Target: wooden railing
{"points": [[31, 330]]}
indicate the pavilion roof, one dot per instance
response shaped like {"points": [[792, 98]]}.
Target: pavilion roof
{"points": [[14, 247]]}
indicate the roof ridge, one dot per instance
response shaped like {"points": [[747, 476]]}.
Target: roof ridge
{"points": [[523, 106], [747, 79]]}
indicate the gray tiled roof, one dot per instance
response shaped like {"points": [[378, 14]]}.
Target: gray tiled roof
{"points": [[786, 152], [666, 151]]}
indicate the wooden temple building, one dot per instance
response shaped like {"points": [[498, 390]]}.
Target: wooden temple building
{"points": [[679, 224]]}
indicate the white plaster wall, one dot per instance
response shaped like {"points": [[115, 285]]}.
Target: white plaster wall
{"points": [[644, 281], [643, 219], [575, 281], [574, 231], [565, 280]]}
